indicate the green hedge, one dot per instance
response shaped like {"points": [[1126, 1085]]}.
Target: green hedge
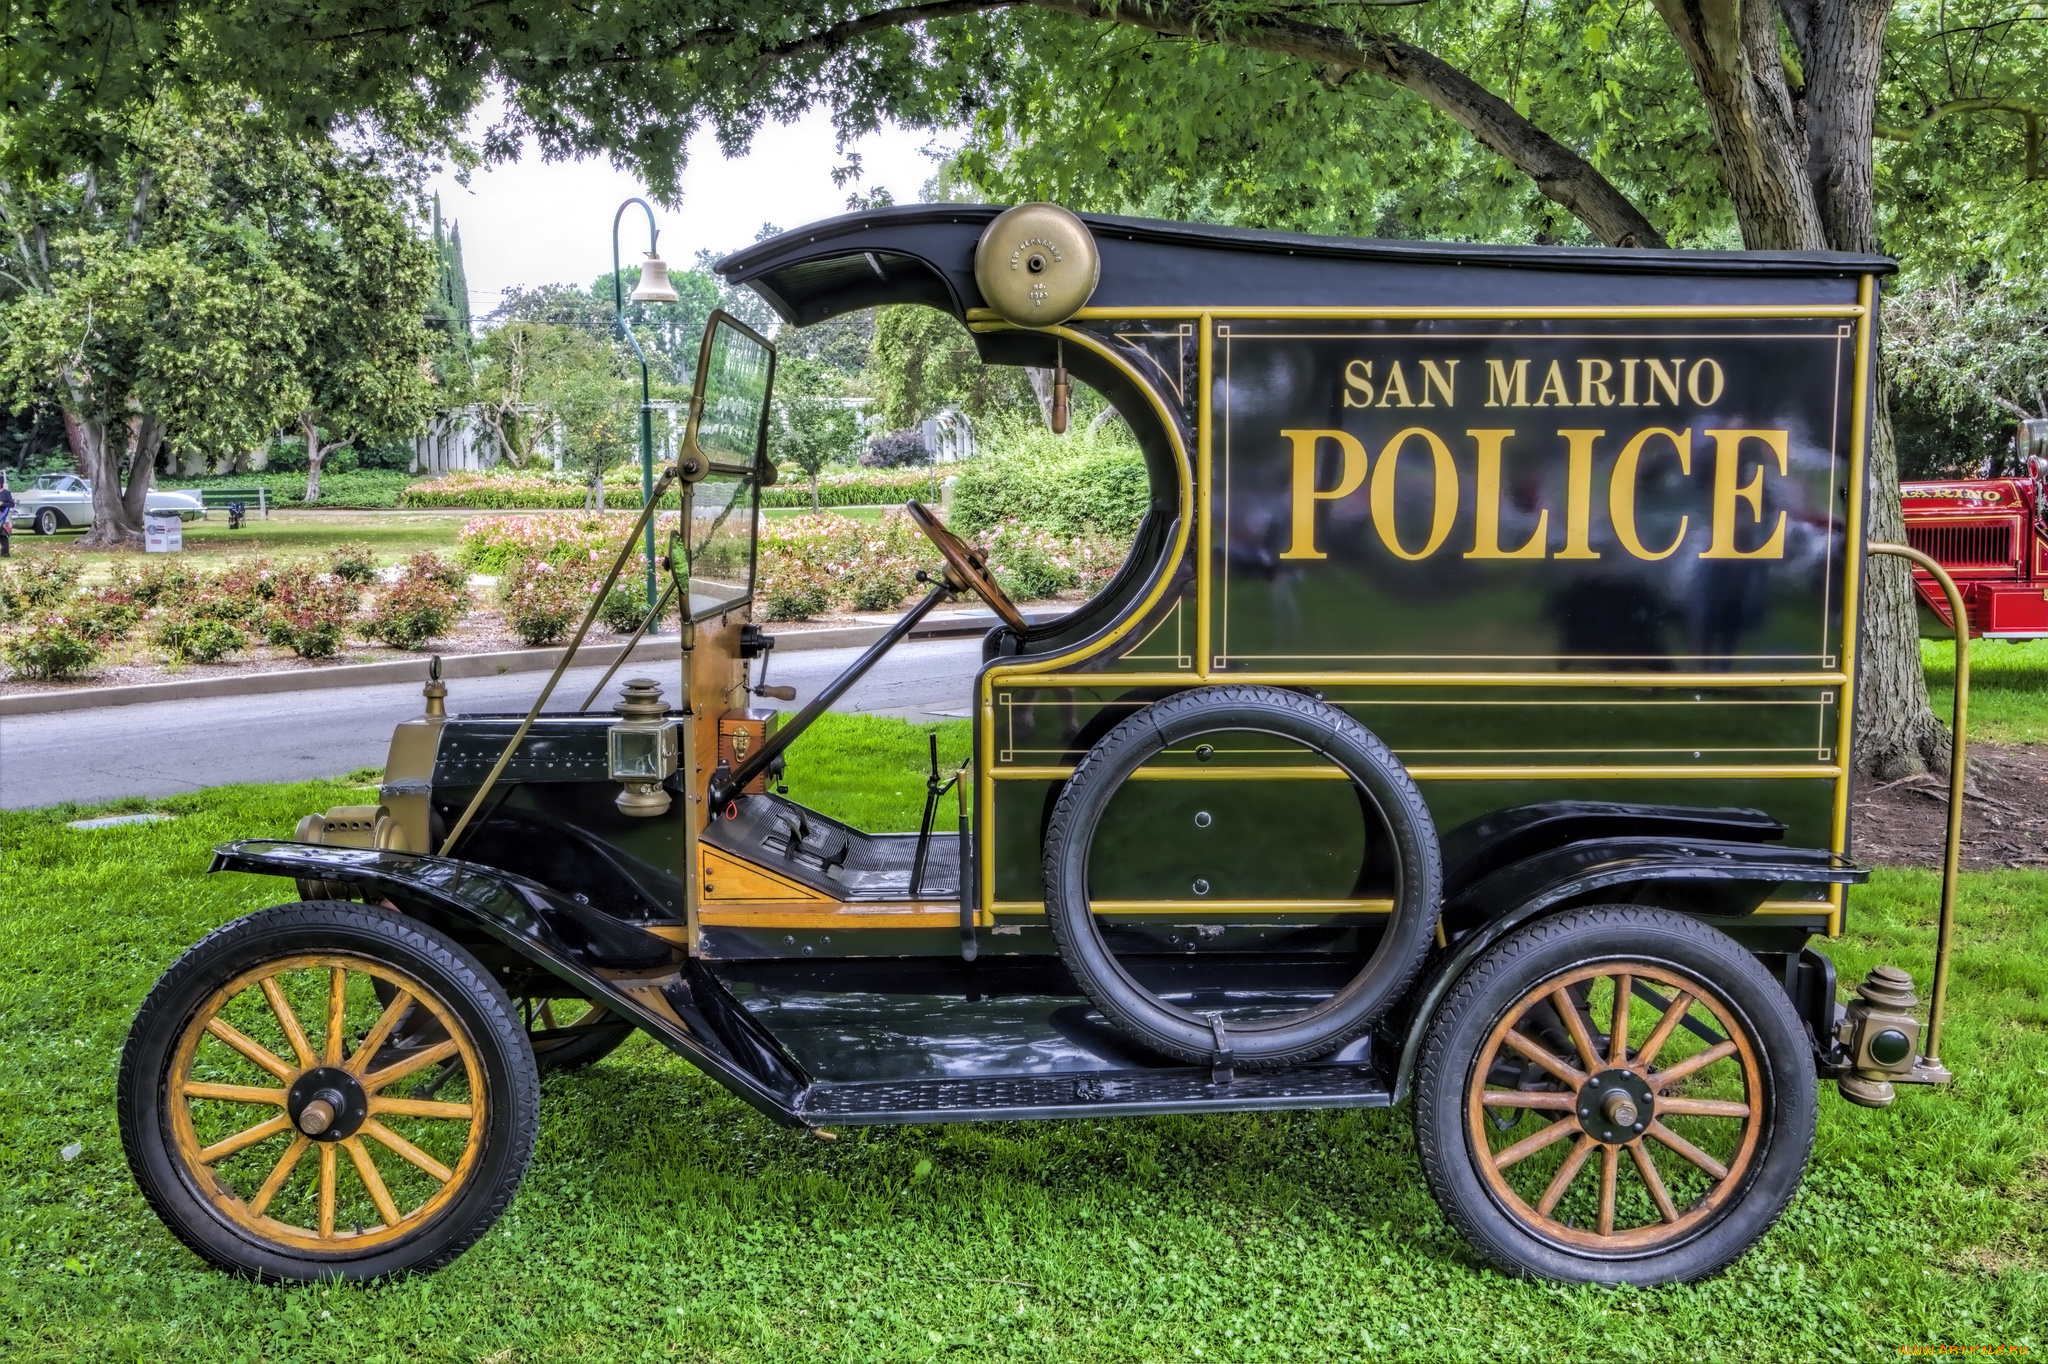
{"points": [[867, 488], [520, 494], [356, 490], [1068, 485]]}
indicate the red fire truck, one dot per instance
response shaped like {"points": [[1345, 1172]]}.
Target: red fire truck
{"points": [[1991, 534]]}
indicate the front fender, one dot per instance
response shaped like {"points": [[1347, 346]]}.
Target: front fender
{"points": [[636, 974], [1709, 878]]}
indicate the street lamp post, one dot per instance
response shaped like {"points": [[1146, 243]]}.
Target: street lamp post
{"points": [[652, 288]]}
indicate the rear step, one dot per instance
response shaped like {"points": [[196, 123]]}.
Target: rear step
{"points": [[1102, 1093]]}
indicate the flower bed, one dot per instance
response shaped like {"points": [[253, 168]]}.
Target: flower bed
{"points": [[491, 544]]}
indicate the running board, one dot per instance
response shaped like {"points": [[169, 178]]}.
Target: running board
{"points": [[1092, 1094]]}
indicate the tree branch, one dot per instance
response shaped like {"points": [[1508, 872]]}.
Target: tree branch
{"points": [[1560, 173], [2003, 104]]}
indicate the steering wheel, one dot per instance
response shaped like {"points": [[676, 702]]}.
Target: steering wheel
{"points": [[966, 568]]}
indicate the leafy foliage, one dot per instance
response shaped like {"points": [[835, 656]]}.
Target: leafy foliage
{"points": [[1092, 479], [188, 638], [924, 362], [542, 602], [353, 561], [39, 584], [52, 649], [411, 613], [895, 450]]}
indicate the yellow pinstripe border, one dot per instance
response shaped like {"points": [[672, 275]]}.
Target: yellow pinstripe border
{"points": [[1195, 486], [992, 677], [980, 318]]}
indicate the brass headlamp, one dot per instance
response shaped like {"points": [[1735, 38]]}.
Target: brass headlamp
{"points": [[642, 749]]}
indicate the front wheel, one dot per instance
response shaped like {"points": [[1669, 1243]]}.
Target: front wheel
{"points": [[276, 1130], [1654, 1149]]}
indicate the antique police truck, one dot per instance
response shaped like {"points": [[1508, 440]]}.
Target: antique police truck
{"points": [[1470, 725]]}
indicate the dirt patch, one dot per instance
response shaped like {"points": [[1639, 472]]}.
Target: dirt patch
{"points": [[2005, 815]]}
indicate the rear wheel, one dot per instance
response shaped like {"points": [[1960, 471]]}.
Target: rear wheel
{"points": [[278, 1132], [47, 521], [1616, 1094]]}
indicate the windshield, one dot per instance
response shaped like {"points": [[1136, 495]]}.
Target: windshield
{"points": [[721, 544]]}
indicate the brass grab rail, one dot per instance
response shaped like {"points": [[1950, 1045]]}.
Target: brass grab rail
{"points": [[1959, 615]]}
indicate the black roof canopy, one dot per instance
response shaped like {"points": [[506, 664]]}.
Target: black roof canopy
{"points": [[924, 253]]}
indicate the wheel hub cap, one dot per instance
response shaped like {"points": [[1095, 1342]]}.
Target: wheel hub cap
{"points": [[1614, 1106], [327, 1103]]}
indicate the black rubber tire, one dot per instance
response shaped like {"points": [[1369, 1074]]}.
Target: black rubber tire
{"points": [[436, 961], [1177, 1032], [1511, 968], [47, 521]]}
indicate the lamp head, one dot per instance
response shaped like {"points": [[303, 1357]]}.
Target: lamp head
{"points": [[654, 286]]}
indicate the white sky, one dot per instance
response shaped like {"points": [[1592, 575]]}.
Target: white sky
{"points": [[533, 222]]}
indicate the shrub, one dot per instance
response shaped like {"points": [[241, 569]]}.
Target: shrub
{"points": [[411, 612], [52, 650], [852, 488], [623, 610], [427, 565], [792, 588], [491, 492], [354, 562], [197, 639], [1027, 563], [542, 602], [309, 613], [166, 583], [895, 449], [1069, 485], [42, 583], [240, 594], [105, 614], [489, 544]]}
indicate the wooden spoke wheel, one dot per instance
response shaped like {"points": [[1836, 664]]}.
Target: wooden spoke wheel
{"points": [[1618, 1094], [325, 1090]]}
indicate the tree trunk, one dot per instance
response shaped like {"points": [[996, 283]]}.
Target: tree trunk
{"points": [[814, 494], [1798, 167], [101, 451], [1041, 389], [315, 453]]}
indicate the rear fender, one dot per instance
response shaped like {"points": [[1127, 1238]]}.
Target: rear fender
{"points": [[1708, 878], [635, 973]]}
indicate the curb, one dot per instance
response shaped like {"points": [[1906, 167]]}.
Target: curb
{"points": [[452, 666]]}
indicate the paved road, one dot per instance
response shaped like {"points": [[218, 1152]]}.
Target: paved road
{"points": [[173, 746]]}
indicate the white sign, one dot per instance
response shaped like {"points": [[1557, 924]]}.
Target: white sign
{"points": [[163, 534]]}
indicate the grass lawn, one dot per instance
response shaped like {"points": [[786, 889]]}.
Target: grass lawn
{"points": [[2008, 687], [662, 1219], [287, 534], [857, 513]]}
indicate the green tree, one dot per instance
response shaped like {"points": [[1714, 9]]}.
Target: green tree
{"points": [[553, 391], [923, 362], [369, 282], [812, 430], [157, 294], [1638, 132]]}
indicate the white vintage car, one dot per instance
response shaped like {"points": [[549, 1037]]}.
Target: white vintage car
{"points": [[57, 502]]}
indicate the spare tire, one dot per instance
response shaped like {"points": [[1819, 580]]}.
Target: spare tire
{"points": [[1385, 791]]}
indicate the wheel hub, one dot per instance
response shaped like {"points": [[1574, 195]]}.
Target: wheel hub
{"points": [[1615, 1106], [327, 1103]]}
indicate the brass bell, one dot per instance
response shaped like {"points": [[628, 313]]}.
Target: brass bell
{"points": [[654, 286]]}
